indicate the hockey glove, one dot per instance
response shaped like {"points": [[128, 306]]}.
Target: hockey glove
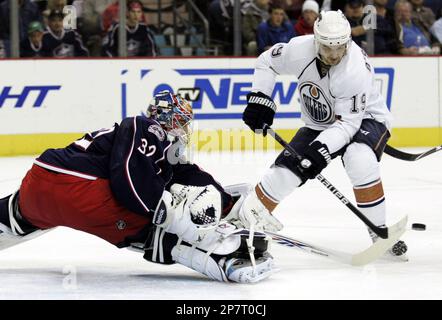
{"points": [[260, 110], [188, 211], [316, 158]]}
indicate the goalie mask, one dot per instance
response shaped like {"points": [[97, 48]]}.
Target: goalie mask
{"points": [[174, 114], [332, 36]]}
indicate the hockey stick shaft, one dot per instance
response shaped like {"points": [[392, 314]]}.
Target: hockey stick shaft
{"points": [[381, 232], [395, 153], [364, 257]]}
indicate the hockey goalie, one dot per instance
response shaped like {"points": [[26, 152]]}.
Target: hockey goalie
{"points": [[130, 186]]}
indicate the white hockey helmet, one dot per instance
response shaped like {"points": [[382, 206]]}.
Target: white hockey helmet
{"points": [[331, 30]]}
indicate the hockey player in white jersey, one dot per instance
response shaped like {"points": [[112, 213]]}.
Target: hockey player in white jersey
{"points": [[344, 115]]}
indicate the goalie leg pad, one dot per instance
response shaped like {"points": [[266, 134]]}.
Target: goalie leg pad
{"points": [[219, 260], [13, 228], [158, 246], [11, 220]]}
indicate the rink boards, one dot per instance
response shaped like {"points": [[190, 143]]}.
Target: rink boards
{"points": [[48, 103]]}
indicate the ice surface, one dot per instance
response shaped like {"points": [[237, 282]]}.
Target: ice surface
{"points": [[68, 264]]}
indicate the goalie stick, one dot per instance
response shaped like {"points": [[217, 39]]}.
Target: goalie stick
{"points": [[395, 153], [375, 251], [380, 231]]}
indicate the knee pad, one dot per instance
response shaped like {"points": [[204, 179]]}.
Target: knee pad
{"points": [[361, 164]]}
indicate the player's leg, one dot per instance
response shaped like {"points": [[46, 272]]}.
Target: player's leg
{"points": [[276, 184], [361, 161]]}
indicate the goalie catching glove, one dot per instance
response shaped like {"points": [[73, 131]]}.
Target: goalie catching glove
{"points": [[188, 211]]}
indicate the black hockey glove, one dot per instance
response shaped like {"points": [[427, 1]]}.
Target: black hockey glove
{"points": [[316, 158], [260, 109]]}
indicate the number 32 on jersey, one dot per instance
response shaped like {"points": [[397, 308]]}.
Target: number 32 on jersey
{"points": [[148, 151]]}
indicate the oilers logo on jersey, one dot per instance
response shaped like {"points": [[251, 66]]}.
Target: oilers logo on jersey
{"points": [[315, 103]]}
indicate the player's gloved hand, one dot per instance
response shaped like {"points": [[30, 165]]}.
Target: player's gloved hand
{"points": [[316, 158], [188, 211], [249, 210], [260, 110]]}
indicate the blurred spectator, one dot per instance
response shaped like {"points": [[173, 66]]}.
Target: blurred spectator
{"points": [[140, 40], [56, 5], [110, 15], [424, 18], [92, 11], [32, 45], [255, 14], [41, 4], [386, 39], [220, 16], [292, 8], [28, 12], [2, 49], [413, 37], [91, 27], [424, 15], [436, 28], [276, 29], [61, 43], [310, 11], [220, 27], [354, 11]]}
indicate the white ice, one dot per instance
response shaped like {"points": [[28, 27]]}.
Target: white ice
{"points": [[68, 264]]}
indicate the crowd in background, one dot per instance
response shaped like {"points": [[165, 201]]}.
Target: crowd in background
{"points": [[407, 27]]}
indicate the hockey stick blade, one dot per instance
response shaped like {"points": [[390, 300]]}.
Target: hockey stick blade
{"points": [[395, 153], [369, 255]]}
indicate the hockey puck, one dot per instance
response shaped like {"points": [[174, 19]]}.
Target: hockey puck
{"points": [[418, 226]]}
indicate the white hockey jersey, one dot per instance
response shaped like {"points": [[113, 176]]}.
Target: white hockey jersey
{"points": [[335, 103]]}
